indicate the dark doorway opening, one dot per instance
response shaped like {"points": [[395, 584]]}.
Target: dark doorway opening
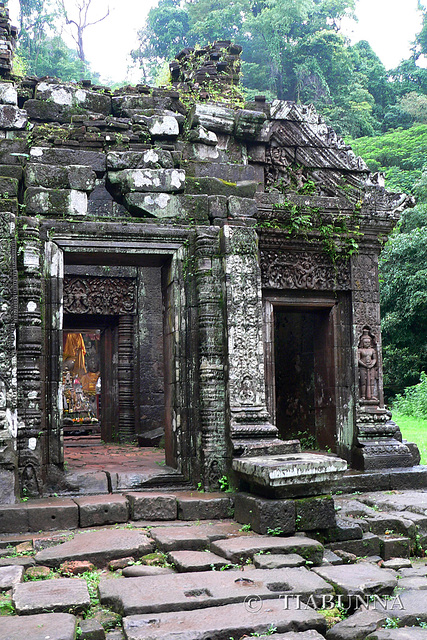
{"points": [[304, 376]]}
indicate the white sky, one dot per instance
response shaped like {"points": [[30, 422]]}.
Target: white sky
{"points": [[388, 25]]}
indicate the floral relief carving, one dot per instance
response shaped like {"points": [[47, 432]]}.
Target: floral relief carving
{"points": [[99, 296]]}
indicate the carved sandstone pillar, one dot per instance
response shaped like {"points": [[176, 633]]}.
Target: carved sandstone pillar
{"points": [[209, 300], [250, 425], [8, 383], [378, 440], [30, 433], [125, 376]]}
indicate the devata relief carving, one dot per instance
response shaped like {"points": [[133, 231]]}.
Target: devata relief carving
{"points": [[368, 368], [99, 296]]}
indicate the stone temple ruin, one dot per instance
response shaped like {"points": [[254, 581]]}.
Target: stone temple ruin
{"points": [[214, 264]]}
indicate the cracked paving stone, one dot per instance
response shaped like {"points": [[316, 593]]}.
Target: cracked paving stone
{"points": [[55, 595], [359, 579], [232, 620], [240, 548], [186, 591], [55, 626], [98, 547]]}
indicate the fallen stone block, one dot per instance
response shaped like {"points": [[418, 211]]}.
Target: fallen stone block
{"points": [[233, 620], [397, 563], [359, 579], [55, 626], [344, 529], [107, 509], [239, 549], [185, 561], [13, 519], [204, 506], [248, 124], [99, 547], [56, 595], [139, 570], [152, 506], [10, 577], [358, 626], [263, 514], [91, 629], [185, 591]]}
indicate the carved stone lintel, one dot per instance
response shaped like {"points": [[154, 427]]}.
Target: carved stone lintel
{"points": [[99, 296], [302, 270]]}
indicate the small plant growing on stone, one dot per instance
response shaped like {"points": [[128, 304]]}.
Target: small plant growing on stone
{"points": [[224, 483], [391, 623], [245, 527], [277, 531]]}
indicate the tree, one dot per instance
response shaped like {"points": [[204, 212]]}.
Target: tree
{"points": [[80, 22]]}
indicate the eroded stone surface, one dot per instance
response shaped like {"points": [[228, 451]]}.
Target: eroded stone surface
{"points": [[207, 589], [359, 579], [57, 595], [55, 626], [10, 577], [99, 547], [240, 548], [196, 560], [221, 622]]}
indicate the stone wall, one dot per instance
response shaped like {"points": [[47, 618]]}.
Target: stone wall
{"points": [[225, 213]]}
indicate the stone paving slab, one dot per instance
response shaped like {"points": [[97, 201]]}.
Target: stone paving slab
{"points": [[399, 634], [359, 579], [186, 561], [233, 620], [55, 595], [99, 547], [98, 510], [183, 591], [192, 538], [415, 501], [293, 635], [240, 548], [10, 576], [278, 560], [357, 626], [55, 626]]}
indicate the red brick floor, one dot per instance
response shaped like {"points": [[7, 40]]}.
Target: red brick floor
{"points": [[89, 453]]}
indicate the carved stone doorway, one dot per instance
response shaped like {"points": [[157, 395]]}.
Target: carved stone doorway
{"points": [[301, 374]]}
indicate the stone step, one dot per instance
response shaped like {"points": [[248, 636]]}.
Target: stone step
{"points": [[186, 591], [56, 596], [51, 514], [228, 621]]}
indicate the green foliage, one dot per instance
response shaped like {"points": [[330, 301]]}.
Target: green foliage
{"points": [[413, 401], [401, 154], [404, 309]]}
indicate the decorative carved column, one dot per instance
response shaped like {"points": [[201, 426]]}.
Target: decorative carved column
{"points": [[209, 297], [125, 376], [250, 424], [30, 433], [378, 439], [8, 383]]}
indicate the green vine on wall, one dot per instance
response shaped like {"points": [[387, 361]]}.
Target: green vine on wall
{"points": [[338, 233]]}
